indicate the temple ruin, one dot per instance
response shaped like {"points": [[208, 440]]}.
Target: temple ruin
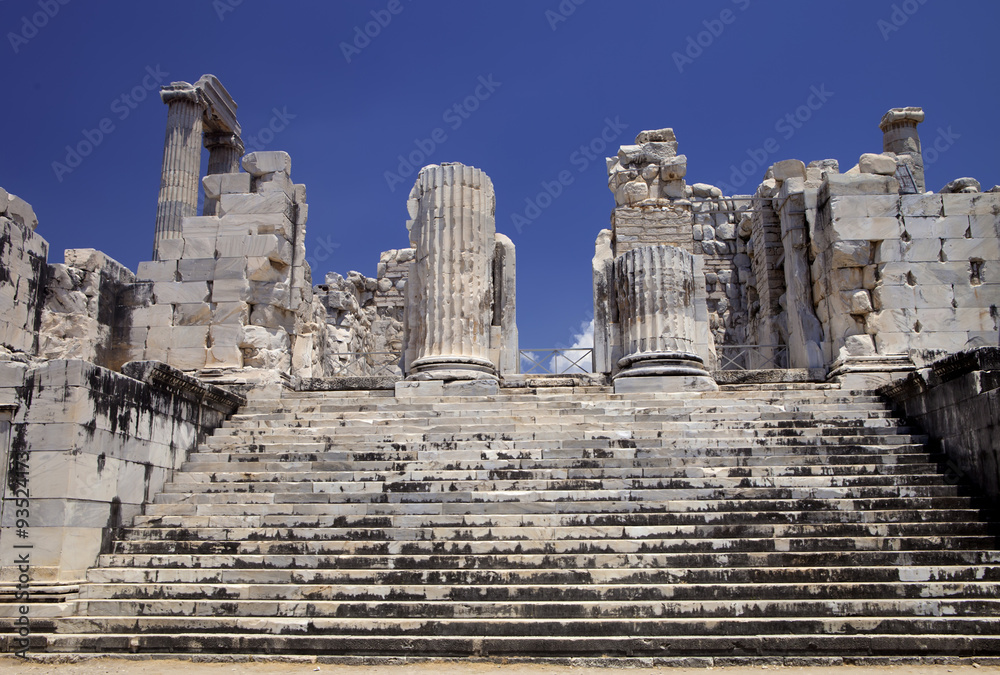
{"points": [[785, 443]]}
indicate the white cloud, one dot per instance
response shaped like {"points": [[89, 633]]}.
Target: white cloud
{"points": [[583, 339]]}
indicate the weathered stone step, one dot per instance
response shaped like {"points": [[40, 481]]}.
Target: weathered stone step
{"points": [[798, 637], [379, 581], [733, 419], [305, 482], [337, 493], [566, 593], [593, 436], [270, 542], [315, 515], [235, 528], [684, 506], [391, 451], [910, 640], [229, 471], [667, 627], [548, 609], [341, 461], [782, 559]]}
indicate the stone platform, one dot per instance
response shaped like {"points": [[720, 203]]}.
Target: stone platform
{"points": [[801, 521]]}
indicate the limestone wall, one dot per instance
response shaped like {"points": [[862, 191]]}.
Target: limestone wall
{"points": [[81, 318], [905, 275], [22, 276], [96, 445], [957, 401]]}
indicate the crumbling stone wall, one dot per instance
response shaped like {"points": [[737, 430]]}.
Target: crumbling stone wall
{"points": [[363, 314], [22, 277], [81, 317]]}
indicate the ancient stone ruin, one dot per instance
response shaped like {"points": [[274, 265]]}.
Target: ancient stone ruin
{"points": [[784, 446]]}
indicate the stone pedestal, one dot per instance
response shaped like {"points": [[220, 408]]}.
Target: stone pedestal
{"points": [[655, 292], [450, 294], [179, 181]]}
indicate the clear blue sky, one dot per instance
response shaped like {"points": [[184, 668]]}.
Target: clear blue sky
{"points": [[555, 82]]}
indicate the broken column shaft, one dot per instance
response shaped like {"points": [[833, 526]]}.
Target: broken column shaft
{"points": [[655, 292], [450, 309]]}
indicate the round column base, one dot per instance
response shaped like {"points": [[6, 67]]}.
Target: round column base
{"points": [[651, 372], [449, 368]]}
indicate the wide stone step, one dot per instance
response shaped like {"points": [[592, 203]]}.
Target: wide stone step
{"points": [[200, 472], [387, 581], [549, 609], [317, 515], [339, 461], [235, 528], [708, 421], [270, 542], [590, 437], [623, 627], [802, 638], [663, 450], [566, 593], [305, 562], [334, 493], [320, 482], [683, 506]]}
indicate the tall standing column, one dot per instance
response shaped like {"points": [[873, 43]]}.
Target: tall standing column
{"points": [[655, 292], [180, 177], [450, 289]]}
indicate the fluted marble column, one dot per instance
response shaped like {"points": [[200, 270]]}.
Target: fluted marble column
{"points": [[450, 289], [655, 292], [180, 177]]}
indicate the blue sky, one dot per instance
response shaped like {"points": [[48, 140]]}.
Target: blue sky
{"points": [[529, 91]]}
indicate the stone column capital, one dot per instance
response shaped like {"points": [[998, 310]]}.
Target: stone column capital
{"points": [[901, 117], [183, 91], [223, 139]]}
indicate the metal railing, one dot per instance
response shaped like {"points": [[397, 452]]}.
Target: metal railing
{"points": [[560, 361], [368, 364], [752, 357]]}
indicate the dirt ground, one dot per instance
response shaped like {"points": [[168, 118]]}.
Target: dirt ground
{"points": [[150, 667]]}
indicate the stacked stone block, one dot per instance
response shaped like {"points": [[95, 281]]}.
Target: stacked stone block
{"points": [[234, 289], [22, 276]]}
